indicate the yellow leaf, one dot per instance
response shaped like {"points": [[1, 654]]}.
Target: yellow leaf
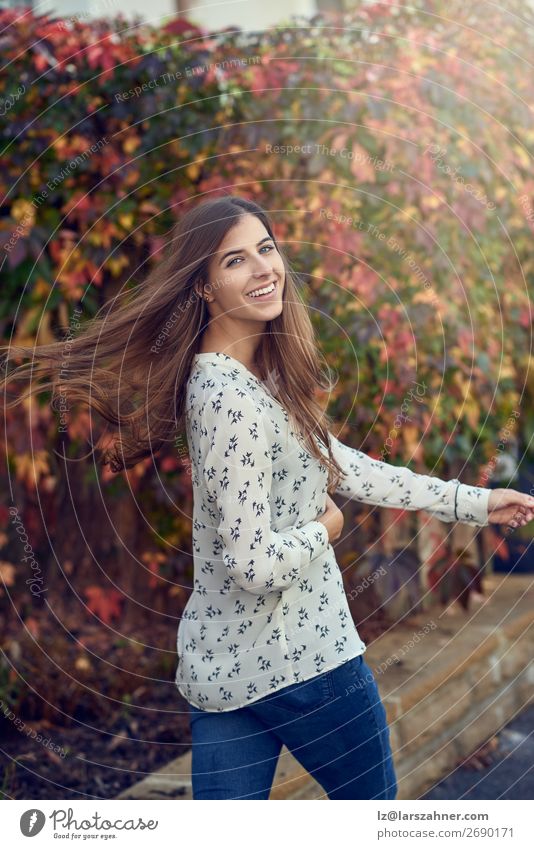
{"points": [[523, 157], [95, 238], [23, 211], [31, 467], [59, 145], [42, 287], [116, 264], [192, 171], [131, 144], [410, 212], [126, 220], [431, 202], [82, 663]]}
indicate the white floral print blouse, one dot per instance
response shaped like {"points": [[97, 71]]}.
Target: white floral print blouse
{"points": [[268, 606]]}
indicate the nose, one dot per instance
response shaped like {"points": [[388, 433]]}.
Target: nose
{"points": [[261, 266]]}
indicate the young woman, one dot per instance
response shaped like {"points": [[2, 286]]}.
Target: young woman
{"points": [[219, 341]]}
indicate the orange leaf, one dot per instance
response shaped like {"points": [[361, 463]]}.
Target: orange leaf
{"points": [[7, 573], [499, 543], [32, 625]]}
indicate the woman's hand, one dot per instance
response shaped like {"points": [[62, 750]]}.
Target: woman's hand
{"points": [[332, 519], [510, 507]]}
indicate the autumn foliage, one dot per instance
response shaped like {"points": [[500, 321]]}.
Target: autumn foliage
{"points": [[393, 148]]}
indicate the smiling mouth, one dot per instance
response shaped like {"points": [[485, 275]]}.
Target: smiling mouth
{"points": [[268, 292]]}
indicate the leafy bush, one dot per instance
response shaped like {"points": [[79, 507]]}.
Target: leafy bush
{"points": [[394, 152]]}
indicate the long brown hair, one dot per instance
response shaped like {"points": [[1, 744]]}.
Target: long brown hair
{"points": [[132, 364]]}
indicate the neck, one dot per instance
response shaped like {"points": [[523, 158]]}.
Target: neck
{"points": [[243, 350]]}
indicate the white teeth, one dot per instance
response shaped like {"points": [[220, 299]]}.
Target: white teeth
{"points": [[261, 291]]}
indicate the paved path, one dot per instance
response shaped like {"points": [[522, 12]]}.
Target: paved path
{"points": [[510, 775]]}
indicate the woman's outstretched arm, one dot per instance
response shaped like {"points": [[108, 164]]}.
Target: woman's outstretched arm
{"points": [[386, 485], [383, 484], [238, 474]]}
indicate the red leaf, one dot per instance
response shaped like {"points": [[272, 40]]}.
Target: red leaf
{"points": [[104, 603]]}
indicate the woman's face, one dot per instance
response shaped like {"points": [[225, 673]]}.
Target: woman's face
{"points": [[246, 260]]}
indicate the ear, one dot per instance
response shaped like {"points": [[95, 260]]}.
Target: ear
{"points": [[204, 296]]}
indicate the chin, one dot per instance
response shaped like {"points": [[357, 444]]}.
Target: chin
{"points": [[275, 310], [268, 315]]}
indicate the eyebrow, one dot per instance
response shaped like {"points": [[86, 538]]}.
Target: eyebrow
{"points": [[241, 250]]}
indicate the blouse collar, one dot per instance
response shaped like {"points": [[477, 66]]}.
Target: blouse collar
{"points": [[216, 358]]}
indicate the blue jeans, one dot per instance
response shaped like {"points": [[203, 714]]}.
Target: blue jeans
{"points": [[334, 724]]}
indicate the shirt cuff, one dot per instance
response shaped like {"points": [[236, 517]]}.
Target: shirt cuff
{"points": [[471, 504], [313, 536]]}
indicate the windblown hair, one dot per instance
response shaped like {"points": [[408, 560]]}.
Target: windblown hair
{"points": [[132, 364]]}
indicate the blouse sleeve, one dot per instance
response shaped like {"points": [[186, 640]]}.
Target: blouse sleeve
{"points": [[238, 473], [375, 482]]}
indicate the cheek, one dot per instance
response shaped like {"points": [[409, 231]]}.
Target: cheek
{"points": [[231, 294], [279, 267], [229, 283]]}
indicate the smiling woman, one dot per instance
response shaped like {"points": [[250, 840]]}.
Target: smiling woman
{"points": [[268, 653], [240, 309], [131, 364], [250, 276]]}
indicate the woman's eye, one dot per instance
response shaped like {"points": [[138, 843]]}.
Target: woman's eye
{"points": [[267, 247]]}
